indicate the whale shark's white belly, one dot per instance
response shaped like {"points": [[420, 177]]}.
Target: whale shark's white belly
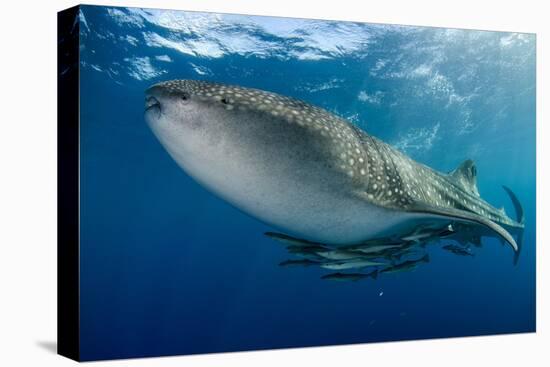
{"points": [[317, 213]]}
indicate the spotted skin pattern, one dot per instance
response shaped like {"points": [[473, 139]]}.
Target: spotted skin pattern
{"points": [[381, 174]]}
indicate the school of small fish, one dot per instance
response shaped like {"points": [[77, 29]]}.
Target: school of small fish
{"points": [[374, 257]]}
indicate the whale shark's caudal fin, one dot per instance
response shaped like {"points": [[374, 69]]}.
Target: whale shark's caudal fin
{"points": [[517, 205], [465, 175], [520, 217]]}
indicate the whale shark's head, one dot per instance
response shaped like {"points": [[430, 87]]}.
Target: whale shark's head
{"points": [[186, 115], [199, 117], [202, 124], [195, 118]]}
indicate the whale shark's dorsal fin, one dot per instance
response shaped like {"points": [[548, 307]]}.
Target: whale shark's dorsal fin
{"points": [[465, 176]]}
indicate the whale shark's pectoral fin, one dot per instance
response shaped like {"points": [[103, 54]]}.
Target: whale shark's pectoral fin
{"points": [[463, 216]]}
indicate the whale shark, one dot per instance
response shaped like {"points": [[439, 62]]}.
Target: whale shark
{"points": [[313, 175]]}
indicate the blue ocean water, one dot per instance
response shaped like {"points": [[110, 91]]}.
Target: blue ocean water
{"points": [[169, 268]]}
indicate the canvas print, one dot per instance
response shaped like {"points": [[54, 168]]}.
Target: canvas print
{"points": [[251, 182]]}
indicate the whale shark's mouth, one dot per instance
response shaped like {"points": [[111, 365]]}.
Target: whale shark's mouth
{"points": [[151, 103]]}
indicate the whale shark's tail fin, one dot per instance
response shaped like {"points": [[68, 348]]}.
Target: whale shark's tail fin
{"points": [[520, 217], [517, 205]]}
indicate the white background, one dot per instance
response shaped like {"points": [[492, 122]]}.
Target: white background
{"points": [[28, 184]]}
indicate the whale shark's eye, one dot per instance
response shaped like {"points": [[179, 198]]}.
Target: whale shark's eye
{"points": [[184, 96], [224, 101]]}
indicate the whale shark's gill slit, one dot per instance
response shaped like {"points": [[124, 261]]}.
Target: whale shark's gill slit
{"points": [[375, 185], [364, 166], [395, 177]]}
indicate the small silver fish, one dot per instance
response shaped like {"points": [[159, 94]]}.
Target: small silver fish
{"points": [[343, 265]]}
